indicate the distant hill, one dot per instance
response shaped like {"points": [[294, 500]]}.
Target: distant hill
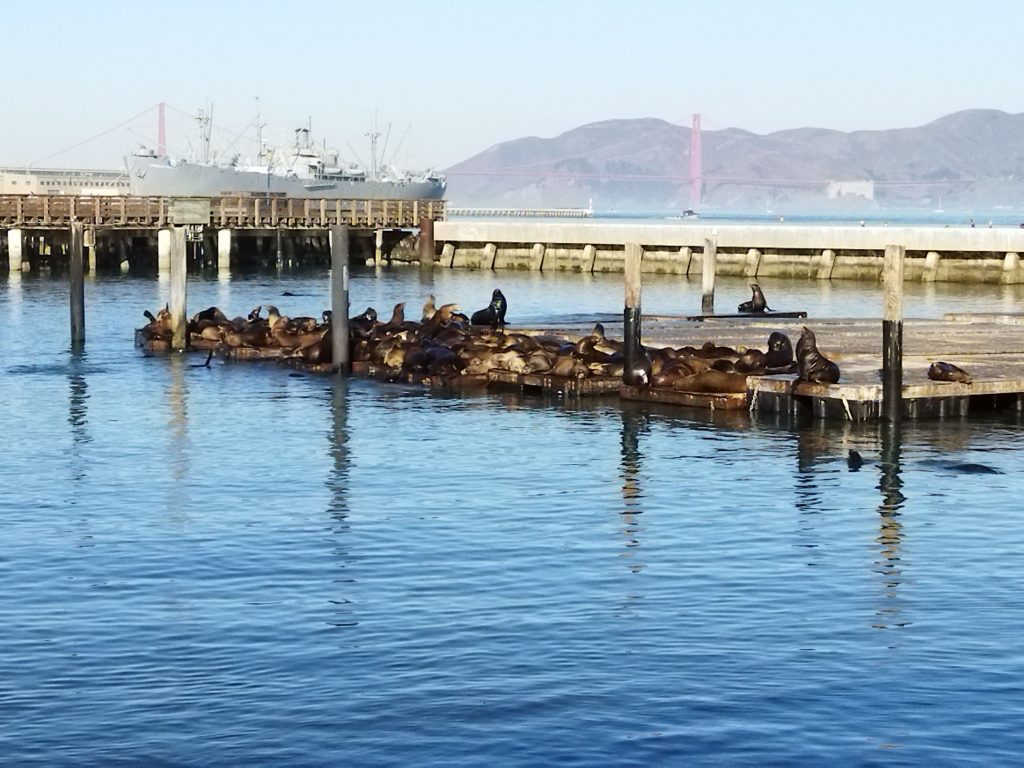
{"points": [[969, 159]]}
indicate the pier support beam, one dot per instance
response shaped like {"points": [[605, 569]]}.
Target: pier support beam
{"points": [[537, 257], [931, 267], [90, 249], [339, 299], [708, 266], [753, 263], [77, 277], [179, 272], [1011, 268], [163, 250], [631, 311], [589, 258], [14, 250], [686, 256], [828, 263], [490, 254], [426, 242], [892, 333], [224, 250], [447, 256], [378, 247]]}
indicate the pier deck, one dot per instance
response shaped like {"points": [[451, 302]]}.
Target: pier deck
{"points": [[990, 350]]}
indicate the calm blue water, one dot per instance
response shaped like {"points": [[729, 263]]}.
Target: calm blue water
{"points": [[242, 564]]}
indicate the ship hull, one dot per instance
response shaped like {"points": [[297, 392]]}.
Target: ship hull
{"points": [[152, 178]]}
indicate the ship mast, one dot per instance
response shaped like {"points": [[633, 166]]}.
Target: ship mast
{"points": [[373, 135], [204, 122]]}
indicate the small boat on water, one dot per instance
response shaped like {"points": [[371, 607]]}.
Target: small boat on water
{"points": [[300, 170]]}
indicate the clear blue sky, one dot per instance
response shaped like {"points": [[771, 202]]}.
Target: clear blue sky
{"points": [[456, 77]]}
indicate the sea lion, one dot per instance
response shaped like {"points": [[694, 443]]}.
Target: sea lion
{"points": [[638, 374], [940, 371], [757, 302], [780, 353], [429, 309], [494, 313], [751, 361], [811, 364]]}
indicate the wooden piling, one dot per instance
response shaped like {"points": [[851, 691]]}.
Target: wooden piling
{"points": [[339, 299], [14, 250], [223, 251], [708, 266], [426, 242], [892, 333], [76, 247], [178, 278], [631, 311]]}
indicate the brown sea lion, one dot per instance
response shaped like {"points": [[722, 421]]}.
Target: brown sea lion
{"points": [[940, 371], [811, 364], [639, 372]]}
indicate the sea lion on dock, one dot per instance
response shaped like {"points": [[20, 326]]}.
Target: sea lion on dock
{"points": [[429, 308], [494, 313], [811, 364], [638, 373], [779, 358], [940, 371], [757, 302]]}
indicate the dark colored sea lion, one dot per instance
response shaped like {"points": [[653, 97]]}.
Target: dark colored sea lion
{"points": [[940, 371], [854, 460], [780, 353], [639, 373], [757, 302], [494, 313], [811, 364]]}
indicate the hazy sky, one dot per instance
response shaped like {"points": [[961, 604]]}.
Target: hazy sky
{"points": [[453, 78]]}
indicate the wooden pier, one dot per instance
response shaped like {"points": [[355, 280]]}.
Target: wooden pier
{"points": [[126, 230]]}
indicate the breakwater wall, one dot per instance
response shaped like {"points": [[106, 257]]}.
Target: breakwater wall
{"points": [[946, 254]]}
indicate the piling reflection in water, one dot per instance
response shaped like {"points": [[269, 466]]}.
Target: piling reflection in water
{"points": [[340, 613], [177, 402], [633, 423], [890, 535], [78, 397]]}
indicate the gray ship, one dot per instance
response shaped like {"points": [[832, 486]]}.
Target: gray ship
{"points": [[301, 170]]}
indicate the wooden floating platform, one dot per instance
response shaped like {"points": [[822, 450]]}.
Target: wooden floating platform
{"points": [[589, 387], [746, 316], [724, 401]]}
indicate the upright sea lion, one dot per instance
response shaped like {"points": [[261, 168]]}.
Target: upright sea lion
{"points": [[940, 371], [811, 364], [494, 313], [429, 309], [780, 353], [757, 302]]}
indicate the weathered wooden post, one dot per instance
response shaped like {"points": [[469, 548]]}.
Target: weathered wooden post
{"points": [[178, 276], [76, 246], [631, 311], [708, 266], [426, 241], [892, 333], [339, 299]]}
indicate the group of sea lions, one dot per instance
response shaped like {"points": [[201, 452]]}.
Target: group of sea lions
{"points": [[444, 342], [303, 338], [713, 368]]}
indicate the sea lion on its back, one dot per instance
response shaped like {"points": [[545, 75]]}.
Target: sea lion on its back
{"points": [[811, 364]]}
